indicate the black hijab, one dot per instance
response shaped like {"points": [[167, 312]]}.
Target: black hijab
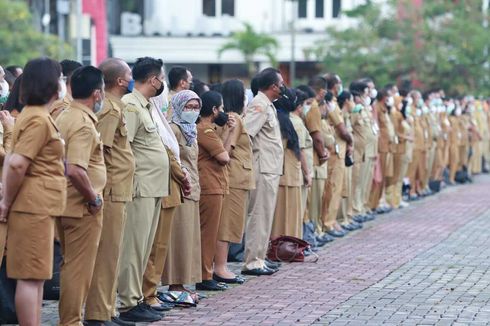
{"points": [[284, 105]]}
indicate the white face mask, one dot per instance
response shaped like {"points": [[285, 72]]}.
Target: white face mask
{"points": [[245, 101], [5, 88], [61, 90], [418, 112], [189, 116], [373, 93], [409, 101], [367, 101], [458, 111], [390, 101], [306, 109], [98, 106]]}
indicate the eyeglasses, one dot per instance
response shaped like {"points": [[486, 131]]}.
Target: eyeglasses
{"points": [[192, 107]]}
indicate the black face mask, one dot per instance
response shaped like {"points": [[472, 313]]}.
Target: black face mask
{"points": [[160, 90], [221, 119], [283, 90]]}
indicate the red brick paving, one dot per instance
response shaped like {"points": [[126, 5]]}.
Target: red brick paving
{"points": [[301, 293]]}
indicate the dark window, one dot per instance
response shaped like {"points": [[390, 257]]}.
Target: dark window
{"points": [[228, 7], [336, 8], [319, 8], [302, 8], [209, 8]]}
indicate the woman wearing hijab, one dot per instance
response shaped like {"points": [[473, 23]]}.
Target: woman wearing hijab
{"points": [[288, 218], [183, 263]]}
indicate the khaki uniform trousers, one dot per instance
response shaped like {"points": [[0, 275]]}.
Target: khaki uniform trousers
{"points": [[431, 155], [158, 255], [393, 186], [79, 238], [332, 194], [416, 171], [315, 195], [454, 162], [305, 203], [210, 207], [102, 293], [397, 191], [3, 240], [367, 175], [359, 171], [378, 188], [345, 210], [139, 234], [259, 220]]}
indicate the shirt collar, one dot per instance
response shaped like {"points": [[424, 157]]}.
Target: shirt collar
{"points": [[264, 97], [143, 101], [80, 106]]}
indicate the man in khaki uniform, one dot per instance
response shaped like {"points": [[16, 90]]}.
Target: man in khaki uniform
{"points": [[263, 128], [119, 163], [179, 79], [68, 67], [151, 182], [80, 225]]}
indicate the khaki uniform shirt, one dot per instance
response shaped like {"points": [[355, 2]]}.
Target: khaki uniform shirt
{"points": [[119, 159], [188, 159], [292, 176], [386, 130], [213, 176], [36, 137], [336, 118], [263, 127], [400, 132], [305, 141], [152, 174], [60, 105], [418, 127], [328, 134], [313, 124], [360, 131], [5, 144], [83, 148], [372, 136], [454, 132]]}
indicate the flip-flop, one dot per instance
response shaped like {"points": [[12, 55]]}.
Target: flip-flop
{"points": [[185, 300], [168, 297]]}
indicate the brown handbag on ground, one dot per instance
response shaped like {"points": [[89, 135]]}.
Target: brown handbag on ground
{"points": [[289, 249]]}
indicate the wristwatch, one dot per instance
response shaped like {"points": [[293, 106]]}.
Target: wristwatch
{"points": [[96, 202]]}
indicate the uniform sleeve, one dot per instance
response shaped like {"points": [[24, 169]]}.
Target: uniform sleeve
{"points": [[210, 142], [107, 127], [32, 137], [301, 131], [235, 136], [175, 167], [334, 118], [79, 147], [254, 119], [132, 121], [313, 119]]}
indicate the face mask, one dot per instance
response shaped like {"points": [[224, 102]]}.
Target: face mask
{"points": [[373, 93], [190, 116], [283, 90], [418, 112], [357, 108], [130, 86], [458, 111], [341, 89], [98, 106], [408, 110], [450, 108], [306, 109], [367, 101], [425, 110], [5, 89], [245, 101], [390, 101], [221, 119], [420, 103], [409, 101], [62, 90]]}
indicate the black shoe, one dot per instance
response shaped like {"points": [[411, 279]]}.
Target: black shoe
{"points": [[120, 322], [325, 238], [153, 310], [359, 219], [211, 285], [236, 280], [335, 233], [348, 227], [369, 217], [259, 271], [356, 225], [140, 314], [161, 307], [98, 323], [272, 265]]}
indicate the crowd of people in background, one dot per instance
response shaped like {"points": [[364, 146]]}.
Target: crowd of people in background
{"points": [[145, 178]]}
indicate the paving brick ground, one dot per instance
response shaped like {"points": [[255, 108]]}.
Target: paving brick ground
{"points": [[425, 265]]}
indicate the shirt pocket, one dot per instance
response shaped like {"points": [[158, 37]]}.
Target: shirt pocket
{"points": [[150, 129]]}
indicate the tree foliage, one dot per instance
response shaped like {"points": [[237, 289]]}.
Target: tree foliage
{"points": [[251, 43], [438, 44], [19, 40]]}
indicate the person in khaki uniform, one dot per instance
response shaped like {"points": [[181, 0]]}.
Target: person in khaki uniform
{"points": [[183, 263], [119, 162], [6, 131], [68, 67], [332, 194], [241, 181], [454, 140], [417, 166], [268, 154], [179, 79], [80, 225], [214, 152], [150, 184], [34, 189]]}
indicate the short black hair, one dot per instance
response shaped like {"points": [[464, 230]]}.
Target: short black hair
{"points": [[254, 85], [9, 78], [199, 86], [301, 97], [383, 93], [268, 77], [13, 70], [318, 83], [146, 67], [343, 97], [210, 100], [404, 92], [177, 74], [233, 92], [217, 87], [332, 80], [40, 81], [328, 96], [13, 101], [357, 88], [85, 80], [68, 67], [307, 90]]}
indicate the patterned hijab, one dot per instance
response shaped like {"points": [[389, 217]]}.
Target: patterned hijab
{"points": [[179, 101]]}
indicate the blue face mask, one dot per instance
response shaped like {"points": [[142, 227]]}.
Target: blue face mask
{"points": [[130, 85]]}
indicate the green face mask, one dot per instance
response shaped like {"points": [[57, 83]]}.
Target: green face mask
{"points": [[357, 108], [408, 110], [341, 89]]}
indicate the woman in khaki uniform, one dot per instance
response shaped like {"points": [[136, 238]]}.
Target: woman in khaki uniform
{"points": [[34, 189], [454, 140], [213, 178], [287, 215], [7, 125], [183, 263], [232, 221]]}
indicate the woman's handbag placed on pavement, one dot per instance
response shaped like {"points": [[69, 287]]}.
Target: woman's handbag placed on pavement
{"points": [[288, 249]]}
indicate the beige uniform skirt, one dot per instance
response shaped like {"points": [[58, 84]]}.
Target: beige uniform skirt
{"points": [[232, 221], [288, 217], [30, 245], [183, 264]]}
